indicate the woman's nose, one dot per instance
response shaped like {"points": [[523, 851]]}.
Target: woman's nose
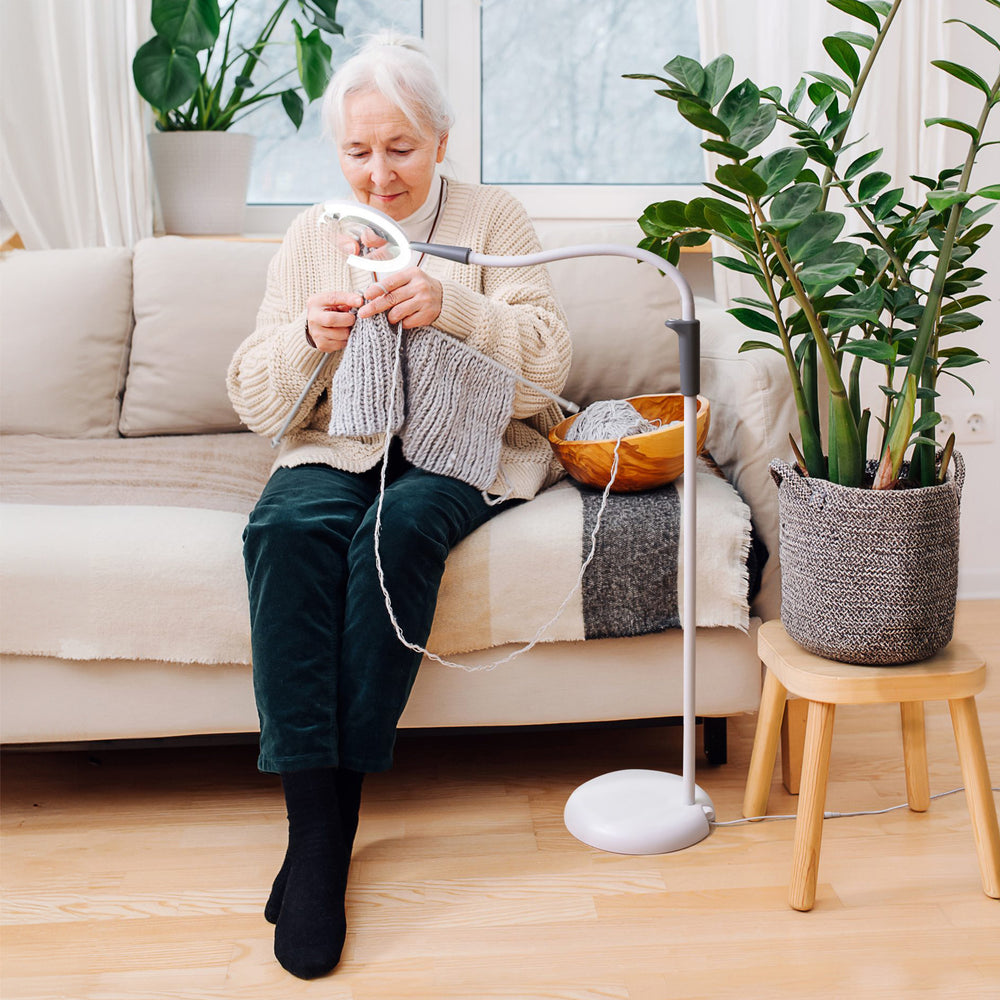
{"points": [[381, 171]]}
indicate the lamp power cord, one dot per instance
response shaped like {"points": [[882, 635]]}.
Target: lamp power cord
{"points": [[839, 815]]}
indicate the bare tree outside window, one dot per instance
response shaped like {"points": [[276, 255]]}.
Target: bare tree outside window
{"points": [[555, 109]]}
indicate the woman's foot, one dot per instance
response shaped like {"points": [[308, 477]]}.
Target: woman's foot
{"points": [[311, 923], [348, 784]]}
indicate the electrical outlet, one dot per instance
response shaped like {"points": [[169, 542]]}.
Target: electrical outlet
{"points": [[972, 422]]}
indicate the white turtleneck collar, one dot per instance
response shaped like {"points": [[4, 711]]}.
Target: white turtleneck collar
{"points": [[418, 225]]}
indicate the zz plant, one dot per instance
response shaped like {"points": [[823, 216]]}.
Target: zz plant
{"points": [[196, 78], [893, 289]]}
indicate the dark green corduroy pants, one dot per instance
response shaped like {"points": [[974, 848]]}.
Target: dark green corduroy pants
{"points": [[331, 677]]}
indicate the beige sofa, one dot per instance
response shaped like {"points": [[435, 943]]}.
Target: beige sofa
{"points": [[126, 481]]}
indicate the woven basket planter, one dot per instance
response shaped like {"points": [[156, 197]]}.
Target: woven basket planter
{"points": [[868, 576]]}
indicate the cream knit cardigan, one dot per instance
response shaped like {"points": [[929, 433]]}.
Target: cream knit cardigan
{"points": [[510, 314]]}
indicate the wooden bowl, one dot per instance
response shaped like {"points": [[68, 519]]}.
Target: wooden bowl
{"points": [[644, 460]]}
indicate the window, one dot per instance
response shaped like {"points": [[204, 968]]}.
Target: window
{"points": [[555, 109], [539, 99]]}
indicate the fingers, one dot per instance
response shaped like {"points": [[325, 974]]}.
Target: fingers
{"points": [[410, 297], [330, 317]]}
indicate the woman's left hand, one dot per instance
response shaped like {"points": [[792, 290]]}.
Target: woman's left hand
{"points": [[410, 297]]}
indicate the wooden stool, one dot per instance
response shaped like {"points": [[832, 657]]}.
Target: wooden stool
{"points": [[955, 675]]}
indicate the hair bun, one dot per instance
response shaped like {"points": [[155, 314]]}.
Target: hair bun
{"points": [[388, 38]]}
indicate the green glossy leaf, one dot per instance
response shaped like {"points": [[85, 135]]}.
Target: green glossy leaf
{"points": [[940, 200], [926, 421], [754, 320], [187, 24], [872, 184], [702, 118], [647, 76], [795, 98], [323, 13], [313, 58], [857, 39], [758, 345], [688, 71], [859, 10], [781, 167], [294, 108], [861, 164], [760, 127], [739, 106], [963, 73], [978, 31], [791, 207], [718, 76], [991, 191], [829, 267], [955, 124], [833, 82], [725, 149], [961, 361], [725, 192], [669, 213], [844, 55], [735, 264], [165, 77], [875, 350], [814, 235], [741, 178], [886, 203], [836, 125], [821, 106]]}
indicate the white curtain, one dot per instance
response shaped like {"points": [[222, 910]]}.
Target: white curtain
{"points": [[778, 41], [73, 164]]}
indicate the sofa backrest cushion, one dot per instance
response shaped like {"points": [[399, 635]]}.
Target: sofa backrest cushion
{"points": [[615, 308], [195, 301], [65, 318]]}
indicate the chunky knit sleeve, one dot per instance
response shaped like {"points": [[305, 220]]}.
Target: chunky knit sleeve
{"points": [[273, 365], [510, 314]]}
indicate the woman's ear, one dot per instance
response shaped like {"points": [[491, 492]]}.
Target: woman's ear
{"points": [[442, 147]]}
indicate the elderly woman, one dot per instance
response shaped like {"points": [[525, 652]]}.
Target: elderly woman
{"points": [[331, 676]]}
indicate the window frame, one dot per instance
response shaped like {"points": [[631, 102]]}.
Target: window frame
{"points": [[451, 32]]}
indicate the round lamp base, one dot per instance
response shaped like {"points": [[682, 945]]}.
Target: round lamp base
{"points": [[638, 812]]}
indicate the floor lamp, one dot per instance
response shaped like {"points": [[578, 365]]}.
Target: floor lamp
{"points": [[632, 811]]}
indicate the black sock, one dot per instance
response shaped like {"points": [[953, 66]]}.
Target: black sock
{"points": [[348, 785], [311, 924]]}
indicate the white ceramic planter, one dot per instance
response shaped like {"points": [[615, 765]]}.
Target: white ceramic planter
{"points": [[201, 179]]}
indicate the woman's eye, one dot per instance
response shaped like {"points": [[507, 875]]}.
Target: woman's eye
{"points": [[402, 152]]}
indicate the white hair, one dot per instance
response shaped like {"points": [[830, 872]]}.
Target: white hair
{"points": [[398, 67]]}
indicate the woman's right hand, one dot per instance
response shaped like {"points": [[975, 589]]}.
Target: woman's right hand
{"points": [[329, 319]]}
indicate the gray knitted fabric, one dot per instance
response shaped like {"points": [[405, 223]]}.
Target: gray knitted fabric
{"points": [[451, 406]]}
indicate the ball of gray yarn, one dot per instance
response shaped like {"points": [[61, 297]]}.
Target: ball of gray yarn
{"points": [[609, 419]]}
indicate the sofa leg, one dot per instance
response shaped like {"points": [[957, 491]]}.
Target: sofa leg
{"points": [[714, 735]]}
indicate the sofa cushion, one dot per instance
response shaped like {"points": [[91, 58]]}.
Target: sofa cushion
{"points": [[195, 302], [65, 318], [615, 308]]}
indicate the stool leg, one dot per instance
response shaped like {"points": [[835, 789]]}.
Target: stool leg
{"points": [[982, 809], [812, 799], [765, 747], [793, 739], [918, 790]]}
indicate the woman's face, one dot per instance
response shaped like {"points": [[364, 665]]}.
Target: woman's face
{"points": [[388, 163]]}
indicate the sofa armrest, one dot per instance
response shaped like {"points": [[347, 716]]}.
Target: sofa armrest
{"points": [[753, 412]]}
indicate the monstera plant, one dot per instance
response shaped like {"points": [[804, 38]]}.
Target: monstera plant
{"points": [[196, 78], [848, 270]]}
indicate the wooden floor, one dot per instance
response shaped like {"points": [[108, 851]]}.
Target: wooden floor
{"points": [[142, 873]]}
